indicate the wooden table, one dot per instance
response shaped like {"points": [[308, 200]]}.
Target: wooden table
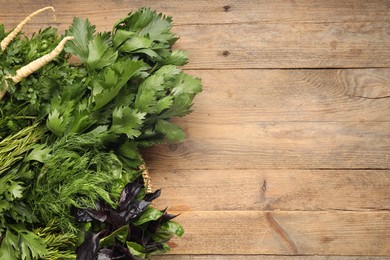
{"points": [[288, 148]]}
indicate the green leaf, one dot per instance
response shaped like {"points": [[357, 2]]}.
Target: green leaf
{"points": [[164, 103], [24, 245], [135, 43], [14, 191], [119, 234], [82, 31], [136, 249], [173, 227], [154, 86], [151, 53], [83, 118], [100, 54], [120, 36], [9, 246], [60, 116], [177, 57], [173, 132], [146, 101], [56, 123], [158, 26], [167, 230], [32, 245], [147, 22], [4, 204], [40, 153], [180, 107], [112, 79], [127, 121], [149, 215], [187, 84], [129, 150]]}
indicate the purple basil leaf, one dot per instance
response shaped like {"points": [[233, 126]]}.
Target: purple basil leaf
{"points": [[85, 215], [136, 234], [154, 247], [134, 210], [129, 193], [89, 248], [145, 238], [105, 254], [167, 217], [152, 196], [115, 219], [99, 214]]}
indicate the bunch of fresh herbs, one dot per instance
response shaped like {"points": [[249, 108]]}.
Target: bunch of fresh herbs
{"points": [[70, 138]]}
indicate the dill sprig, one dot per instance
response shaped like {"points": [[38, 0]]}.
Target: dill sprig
{"points": [[59, 245], [14, 147]]}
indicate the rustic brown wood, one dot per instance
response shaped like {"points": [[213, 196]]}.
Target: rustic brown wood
{"points": [[278, 164], [209, 12], [184, 190], [301, 45], [278, 145], [276, 44], [245, 96], [286, 233], [264, 257]]}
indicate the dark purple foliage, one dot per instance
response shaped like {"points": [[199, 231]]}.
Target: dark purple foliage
{"points": [[129, 208], [89, 248]]}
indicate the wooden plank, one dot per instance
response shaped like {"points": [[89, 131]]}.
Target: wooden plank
{"points": [[210, 12], [292, 95], [264, 257], [277, 145], [276, 44], [286, 233], [345, 45], [219, 190]]}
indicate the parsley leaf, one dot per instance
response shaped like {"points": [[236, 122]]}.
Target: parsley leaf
{"points": [[82, 31], [172, 132], [127, 121], [99, 52]]}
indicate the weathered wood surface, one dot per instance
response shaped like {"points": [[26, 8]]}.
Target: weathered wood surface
{"points": [[333, 95], [253, 34], [279, 145], [279, 163], [270, 189], [265, 257], [279, 232], [208, 12]]}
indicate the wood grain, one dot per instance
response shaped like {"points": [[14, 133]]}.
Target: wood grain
{"points": [[184, 190], [279, 45], [248, 96], [276, 44], [284, 159], [264, 257], [277, 145], [286, 233], [209, 12]]}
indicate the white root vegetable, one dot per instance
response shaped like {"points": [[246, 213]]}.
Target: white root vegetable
{"points": [[7, 40], [35, 65]]}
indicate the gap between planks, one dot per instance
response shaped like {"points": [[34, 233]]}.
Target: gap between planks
{"points": [[351, 43], [216, 12], [293, 233], [265, 257], [270, 189]]}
